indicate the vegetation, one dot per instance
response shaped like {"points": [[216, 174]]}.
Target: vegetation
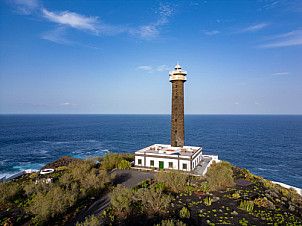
{"points": [[171, 222], [220, 174], [153, 198], [9, 192], [173, 179], [207, 201], [121, 199], [124, 165], [90, 221], [174, 198], [48, 205], [184, 213], [246, 205], [110, 161]]}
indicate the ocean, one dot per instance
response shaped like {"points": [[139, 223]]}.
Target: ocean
{"points": [[268, 145]]}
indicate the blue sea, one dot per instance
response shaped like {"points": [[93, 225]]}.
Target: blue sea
{"points": [[268, 145]]}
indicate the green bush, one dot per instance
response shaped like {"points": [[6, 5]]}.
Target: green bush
{"points": [[124, 164], [9, 192], [160, 186], [220, 174], [184, 213], [90, 221], [207, 201], [153, 198], [33, 175], [110, 161], [46, 206], [264, 202], [121, 199], [173, 179], [246, 205]]}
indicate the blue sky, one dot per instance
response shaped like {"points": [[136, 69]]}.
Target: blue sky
{"points": [[102, 57]]}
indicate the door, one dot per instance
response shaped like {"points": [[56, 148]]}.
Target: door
{"points": [[161, 165]]}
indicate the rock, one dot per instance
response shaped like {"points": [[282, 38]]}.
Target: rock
{"points": [[291, 208], [284, 199], [215, 199], [220, 210], [234, 213], [63, 161]]}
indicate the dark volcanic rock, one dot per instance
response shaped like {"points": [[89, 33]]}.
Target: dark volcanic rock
{"points": [[63, 161]]}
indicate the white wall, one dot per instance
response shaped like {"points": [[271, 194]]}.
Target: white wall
{"points": [[165, 160]]}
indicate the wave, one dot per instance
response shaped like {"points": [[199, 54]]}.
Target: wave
{"points": [[263, 169]]}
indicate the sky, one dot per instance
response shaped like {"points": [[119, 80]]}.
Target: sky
{"points": [[114, 56]]}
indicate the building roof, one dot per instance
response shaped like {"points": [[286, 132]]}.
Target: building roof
{"points": [[168, 150]]}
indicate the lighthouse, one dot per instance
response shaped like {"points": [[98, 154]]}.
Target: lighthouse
{"points": [[176, 156], [177, 78]]}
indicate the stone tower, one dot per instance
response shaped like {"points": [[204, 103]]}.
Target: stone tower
{"points": [[177, 78]]}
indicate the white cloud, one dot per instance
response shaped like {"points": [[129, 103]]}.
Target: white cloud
{"points": [[56, 36], [163, 68], [151, 69], [66, 104], [147, 68], [148, 31], [72, 19], [292, 38], [236, 103], [152, 30], [255, 27], [25, 6], [281, 73], [214, 32], [256, 103]]}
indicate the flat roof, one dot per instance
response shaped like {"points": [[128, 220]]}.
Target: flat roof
{"points": [[168, 150]]}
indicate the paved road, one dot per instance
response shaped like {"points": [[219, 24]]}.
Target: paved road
{"points": [[127, 178]]}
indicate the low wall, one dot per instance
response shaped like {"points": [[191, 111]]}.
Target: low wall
{"points": [[4, 179]]}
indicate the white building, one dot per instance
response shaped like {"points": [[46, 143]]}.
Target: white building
{"points": [[162, 156]]}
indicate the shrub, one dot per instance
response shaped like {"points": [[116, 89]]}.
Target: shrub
{"points": [[121, 198], [204, 186], [90, 221], [220, 174], [246, 205], [124, 164], [9, 192], [264, 202], [87, 177], [175, 180], [171, 222], [184, 213], [189, 188], [153, 198], [110, 161], [54, 202], [160, 186], [207, 201], [33, 175]]}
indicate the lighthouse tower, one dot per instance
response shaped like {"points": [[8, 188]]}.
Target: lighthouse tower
{"points": [[177, 78]]}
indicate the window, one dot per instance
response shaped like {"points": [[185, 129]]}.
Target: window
{"points": [[175, 97], [176, 120], [139, 162], [170, 164], [184, 166], [175, 131], [152, 163], [175, 86]]}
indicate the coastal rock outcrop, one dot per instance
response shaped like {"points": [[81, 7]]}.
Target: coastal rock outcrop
{"points": [[63, 161]]}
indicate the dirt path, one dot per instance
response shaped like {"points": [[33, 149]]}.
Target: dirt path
{"points": [[127, 178]]}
